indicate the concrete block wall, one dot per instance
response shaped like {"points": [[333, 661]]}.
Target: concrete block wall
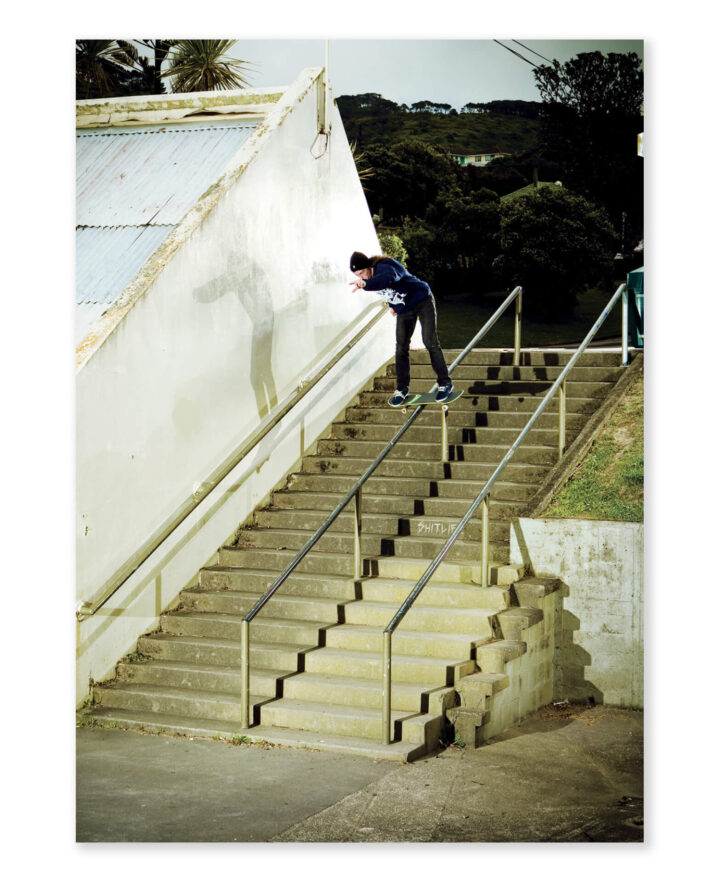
{"points": [[599, 651], [530, 675]]}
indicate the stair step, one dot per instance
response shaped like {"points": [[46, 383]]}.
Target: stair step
{"points": [[531, 356], [257, 582], [463, 413], [343, 484], [447, 507], [440, 527], [432, 619], [307, 519], [469, 373], [406, 641], [435, 593], [361, 692], [391, 467], [278, 560], [222, 651], [530, 590], [265, 630], [193, 676], [465, 573], [428, 548], [328, 501], [331, 542], [348, 721], [238, 603], [431, 452], [368, 663], [182, 702], [491, 657], [516, 619], [285, 737], [475, 391]]}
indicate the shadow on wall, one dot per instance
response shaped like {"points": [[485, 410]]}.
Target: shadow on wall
{"points": [[250, 284], [570, 658]]}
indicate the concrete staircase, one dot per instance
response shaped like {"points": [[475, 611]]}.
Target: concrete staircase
{"points": [[315, 651]]}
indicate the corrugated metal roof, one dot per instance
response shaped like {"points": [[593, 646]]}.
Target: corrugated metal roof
{"points": [[134, 184], [147, 174], [108, 258]]}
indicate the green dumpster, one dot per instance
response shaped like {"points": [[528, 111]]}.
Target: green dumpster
{"points": [[636, 306]]}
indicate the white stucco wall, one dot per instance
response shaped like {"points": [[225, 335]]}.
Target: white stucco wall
{"points": [[247, 308], [599, 649]]}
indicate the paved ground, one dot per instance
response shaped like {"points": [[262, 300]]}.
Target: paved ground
{"points": [[570, 774]]}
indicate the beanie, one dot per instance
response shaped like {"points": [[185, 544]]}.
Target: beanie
{"points": [[359, 261]]}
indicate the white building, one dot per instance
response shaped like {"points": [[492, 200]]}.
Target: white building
{"points": [[478, 159], [213, 237]]}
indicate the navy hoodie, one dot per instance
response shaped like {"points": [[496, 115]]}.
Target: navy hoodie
{"points": [[396, 285]]}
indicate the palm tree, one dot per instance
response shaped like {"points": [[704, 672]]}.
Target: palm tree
{"points": [[202, 66], [160, 50], [101, 66]]}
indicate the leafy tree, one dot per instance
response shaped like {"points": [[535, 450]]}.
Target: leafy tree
{"points": [[160, 50], [203, 66], [407, 178], [555, 244], [103, 68], [392, 246], [366, 104], [454, 244], [594, 85], [502, 176], [591, 119]]}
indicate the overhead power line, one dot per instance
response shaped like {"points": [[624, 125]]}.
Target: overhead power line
{"points": [[533, 51], [510, 49]]}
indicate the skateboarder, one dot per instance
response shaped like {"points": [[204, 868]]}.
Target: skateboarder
{"points": [[410, 299]]}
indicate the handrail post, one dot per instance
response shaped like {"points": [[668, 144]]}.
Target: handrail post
{"points": [[444, 433], [561, 421], [518, 328], [357, 530], [625, 328], [485, 564], [387, 664], [244, 673]]}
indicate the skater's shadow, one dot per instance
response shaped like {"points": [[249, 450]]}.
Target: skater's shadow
{"points": [[250, 284]]}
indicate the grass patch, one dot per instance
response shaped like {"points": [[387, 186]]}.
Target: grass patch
{"points": [[86, 722], [609, 484], [461, 317]]}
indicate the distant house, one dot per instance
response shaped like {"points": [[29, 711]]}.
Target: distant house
{"points": [[478, 159]]}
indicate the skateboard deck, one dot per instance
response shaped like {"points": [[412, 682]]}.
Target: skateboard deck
{"points": [[429, 398]]}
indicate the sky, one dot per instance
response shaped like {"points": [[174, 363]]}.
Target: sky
{"points": [[452, 72]]}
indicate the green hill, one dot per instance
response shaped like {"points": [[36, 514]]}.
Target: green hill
{"points": [[371, 119]]}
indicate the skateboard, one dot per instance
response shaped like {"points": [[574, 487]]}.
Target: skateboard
{"points": [[427, 398]]}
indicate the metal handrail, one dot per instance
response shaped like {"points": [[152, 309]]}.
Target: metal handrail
{"points": [[355, 495], [88, 608], [483, 498]]}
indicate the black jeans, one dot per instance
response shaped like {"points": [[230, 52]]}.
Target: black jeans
{"points": [[406, 321]]}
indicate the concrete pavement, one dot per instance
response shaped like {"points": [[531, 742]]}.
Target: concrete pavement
{"points": [[565, 774]]}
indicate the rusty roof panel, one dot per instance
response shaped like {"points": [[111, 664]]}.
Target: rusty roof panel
{"points": [[133, 185], [141, 175], [107, 258]]}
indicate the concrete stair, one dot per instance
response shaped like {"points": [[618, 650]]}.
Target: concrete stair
{"points": [[514, 675], [316, 647]]}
